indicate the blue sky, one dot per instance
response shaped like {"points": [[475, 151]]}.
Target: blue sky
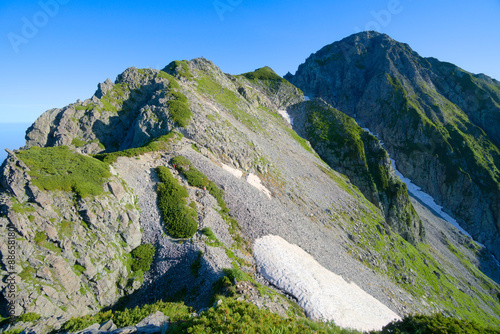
{"points": [[53, 52]]}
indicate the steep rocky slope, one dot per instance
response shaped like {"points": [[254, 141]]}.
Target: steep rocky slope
{"points": [[354, 152], [69, 254], [438, 121], [265, 178]]}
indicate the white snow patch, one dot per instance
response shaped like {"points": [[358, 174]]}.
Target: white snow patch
{"points": [[235, 172], [286, 116], [427, 200], [306, 98], [322, 294], [424, 197], [254, 180]]}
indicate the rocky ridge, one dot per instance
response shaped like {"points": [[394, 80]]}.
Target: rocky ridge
{"points": [[235, 123]]}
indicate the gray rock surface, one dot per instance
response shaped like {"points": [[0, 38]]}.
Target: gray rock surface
{"points": [[435, 119], [235, 122], [352, 151], [76, 265]]}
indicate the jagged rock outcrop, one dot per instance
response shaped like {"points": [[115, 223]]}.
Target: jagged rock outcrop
{"points": [[122, 115], [70, 253], [279, 91], [354, 152], [438, 121]]}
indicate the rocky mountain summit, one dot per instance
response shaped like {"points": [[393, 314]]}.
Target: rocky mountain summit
{"points": [[437, 121], [153, 192]]}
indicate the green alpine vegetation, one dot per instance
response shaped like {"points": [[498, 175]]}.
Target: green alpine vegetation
{"points": [[28, 317], [114, 100], [157, 144], [435, 324], [179, 68], [224, 96], [179, 218], [350, 150], [197, 179], [129, 317], [142, 257], [242, 317], [58, 168], [179, 109], [272, 83], [265, 74]]}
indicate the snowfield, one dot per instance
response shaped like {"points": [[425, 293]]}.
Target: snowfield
{"points": [[286, 116], [322, 294], [422, 196], [237, 173], [254, 180]]}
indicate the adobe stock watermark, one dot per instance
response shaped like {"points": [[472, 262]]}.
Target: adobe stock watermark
{"points": [[31, 26], [223, 6], [10, 292], [383, 17]]}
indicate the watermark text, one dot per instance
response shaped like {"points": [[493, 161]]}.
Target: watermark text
{"points": [[223, 6], [32, 25], [10, 263]]}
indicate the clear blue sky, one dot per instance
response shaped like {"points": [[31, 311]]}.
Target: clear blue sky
{"points": [[52, 55]]}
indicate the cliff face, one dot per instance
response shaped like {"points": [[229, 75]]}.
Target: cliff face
{"points": [[437, 121], [354, 152], [84, 193], [70, 253], [120, 115]]}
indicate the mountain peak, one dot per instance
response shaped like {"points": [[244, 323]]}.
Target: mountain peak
{"points": [[422, 108], [367, 35]]}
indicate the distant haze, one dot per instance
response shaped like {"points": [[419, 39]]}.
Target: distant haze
{"points": [[11, 137]]}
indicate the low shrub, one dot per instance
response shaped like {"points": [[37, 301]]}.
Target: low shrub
{"points": [[78, 142], [435, 324], [179, 109], [243, 317], [128, 317], [212, 239], [28, 317], [13, 331], [236, 274], [154, 145], [264, 73], [180, 219], [40, 237], [179, 69], [142, 257], [172, 81], [79, 269], [197, 179], [196, 265], [22, 208]]}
